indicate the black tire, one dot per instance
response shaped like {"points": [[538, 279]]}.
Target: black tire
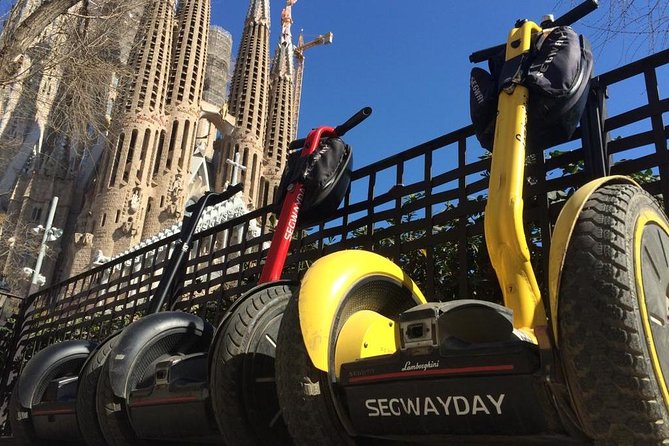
{"points": [[21, 424], [242, 386], [608, 289], [310, 403], [20, 419], [304, 393], [87, 418], [112, 413]]}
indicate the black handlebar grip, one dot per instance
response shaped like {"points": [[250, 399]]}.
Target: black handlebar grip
{"points": [[340, 130], [577, 13], [569, 18], [226, 194], [354, 120], [488, 53], [212, 198], [297, 144]]}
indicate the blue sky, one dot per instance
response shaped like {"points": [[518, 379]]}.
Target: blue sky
{"points": [[406, 59]]}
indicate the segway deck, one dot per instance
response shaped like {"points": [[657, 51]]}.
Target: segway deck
{"points": [[55, 415], [438, 384], [176, 392]]}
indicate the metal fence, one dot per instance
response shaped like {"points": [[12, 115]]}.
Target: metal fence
{"points": [[422, 208]]}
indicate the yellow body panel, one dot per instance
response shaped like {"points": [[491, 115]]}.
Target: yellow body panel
{"points": [[562, 234], [505, 235], [648, 217], [365, 334], [327, 283], [520, 39]]}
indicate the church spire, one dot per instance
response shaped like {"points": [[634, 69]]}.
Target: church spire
{"points": [[249, 91], [259, 12], [283, 65], [287, 21], [281, 108]]}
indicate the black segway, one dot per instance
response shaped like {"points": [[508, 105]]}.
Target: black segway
{"points": [[54, 398]]}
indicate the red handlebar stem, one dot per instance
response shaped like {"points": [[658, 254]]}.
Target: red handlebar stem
{"points": [[285, 227]]}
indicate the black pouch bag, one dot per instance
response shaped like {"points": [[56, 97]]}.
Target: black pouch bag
{"points": [[326, 175], [558, 79], [483, 96], [483, 105], [558, 72]]}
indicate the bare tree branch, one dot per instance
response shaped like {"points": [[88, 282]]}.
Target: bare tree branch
{"points": [[18, 42], [637, 25]]}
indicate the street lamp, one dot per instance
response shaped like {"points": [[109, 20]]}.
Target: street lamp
{"points": [[50, 234]]}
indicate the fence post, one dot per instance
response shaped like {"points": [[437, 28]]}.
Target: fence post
{"points": [[11, 365], [593, 137]]}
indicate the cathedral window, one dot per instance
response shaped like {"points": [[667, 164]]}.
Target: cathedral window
{"points": [[170, 150], [131, 154], [117, 159], [36, 215], [184, 142], [143, 153], [159, 153], [254, 169]]}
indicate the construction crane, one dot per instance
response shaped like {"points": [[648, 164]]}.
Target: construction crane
{"points": [[323, 39]]}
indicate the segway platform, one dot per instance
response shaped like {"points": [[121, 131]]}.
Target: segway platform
{"points": [[441, 382], [176, 391], [55, 415]]}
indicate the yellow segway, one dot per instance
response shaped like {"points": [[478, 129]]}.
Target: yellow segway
{"points": [[362, 354]]}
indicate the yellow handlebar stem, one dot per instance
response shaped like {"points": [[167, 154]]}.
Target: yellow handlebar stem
{"points": [[505, 235]]}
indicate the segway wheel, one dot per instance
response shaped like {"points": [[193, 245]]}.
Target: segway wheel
{"points": [[22, 426], [112, 413], [613, 317], [242, 384], [20, 418], [313, 407], [304, 393], [89, 427]]}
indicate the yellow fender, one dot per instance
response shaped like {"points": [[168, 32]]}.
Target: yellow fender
{"points": [[325, 287], [564, 227]]}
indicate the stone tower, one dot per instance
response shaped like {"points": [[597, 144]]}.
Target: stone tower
{"points": [[171, 171], [118, 207], [248, 102], [281, 111], [219, 48]]}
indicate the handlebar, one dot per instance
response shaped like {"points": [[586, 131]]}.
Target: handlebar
{"points": [[219, 197], [577, 13], [340, 130], [485, 54], [212, 198], [353, 121], [297, 144], [569, 18]]}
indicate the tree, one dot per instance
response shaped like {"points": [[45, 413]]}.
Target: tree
{"points": [[59, 64], [640, 25]]}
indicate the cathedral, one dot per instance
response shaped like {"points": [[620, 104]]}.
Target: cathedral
{"points": [[171, 137]]}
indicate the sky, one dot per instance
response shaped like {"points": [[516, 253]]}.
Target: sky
{"points": [[408, 60]]}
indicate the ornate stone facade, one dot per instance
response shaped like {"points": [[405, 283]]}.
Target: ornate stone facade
{"points": [[248, 103], [162, 133], [280, 123], [184, 94], [115, 213]]}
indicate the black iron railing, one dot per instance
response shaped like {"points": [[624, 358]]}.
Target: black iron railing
{"points": [[423, 208]]}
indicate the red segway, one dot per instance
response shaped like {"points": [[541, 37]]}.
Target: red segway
{"points": [[155, 384]]}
